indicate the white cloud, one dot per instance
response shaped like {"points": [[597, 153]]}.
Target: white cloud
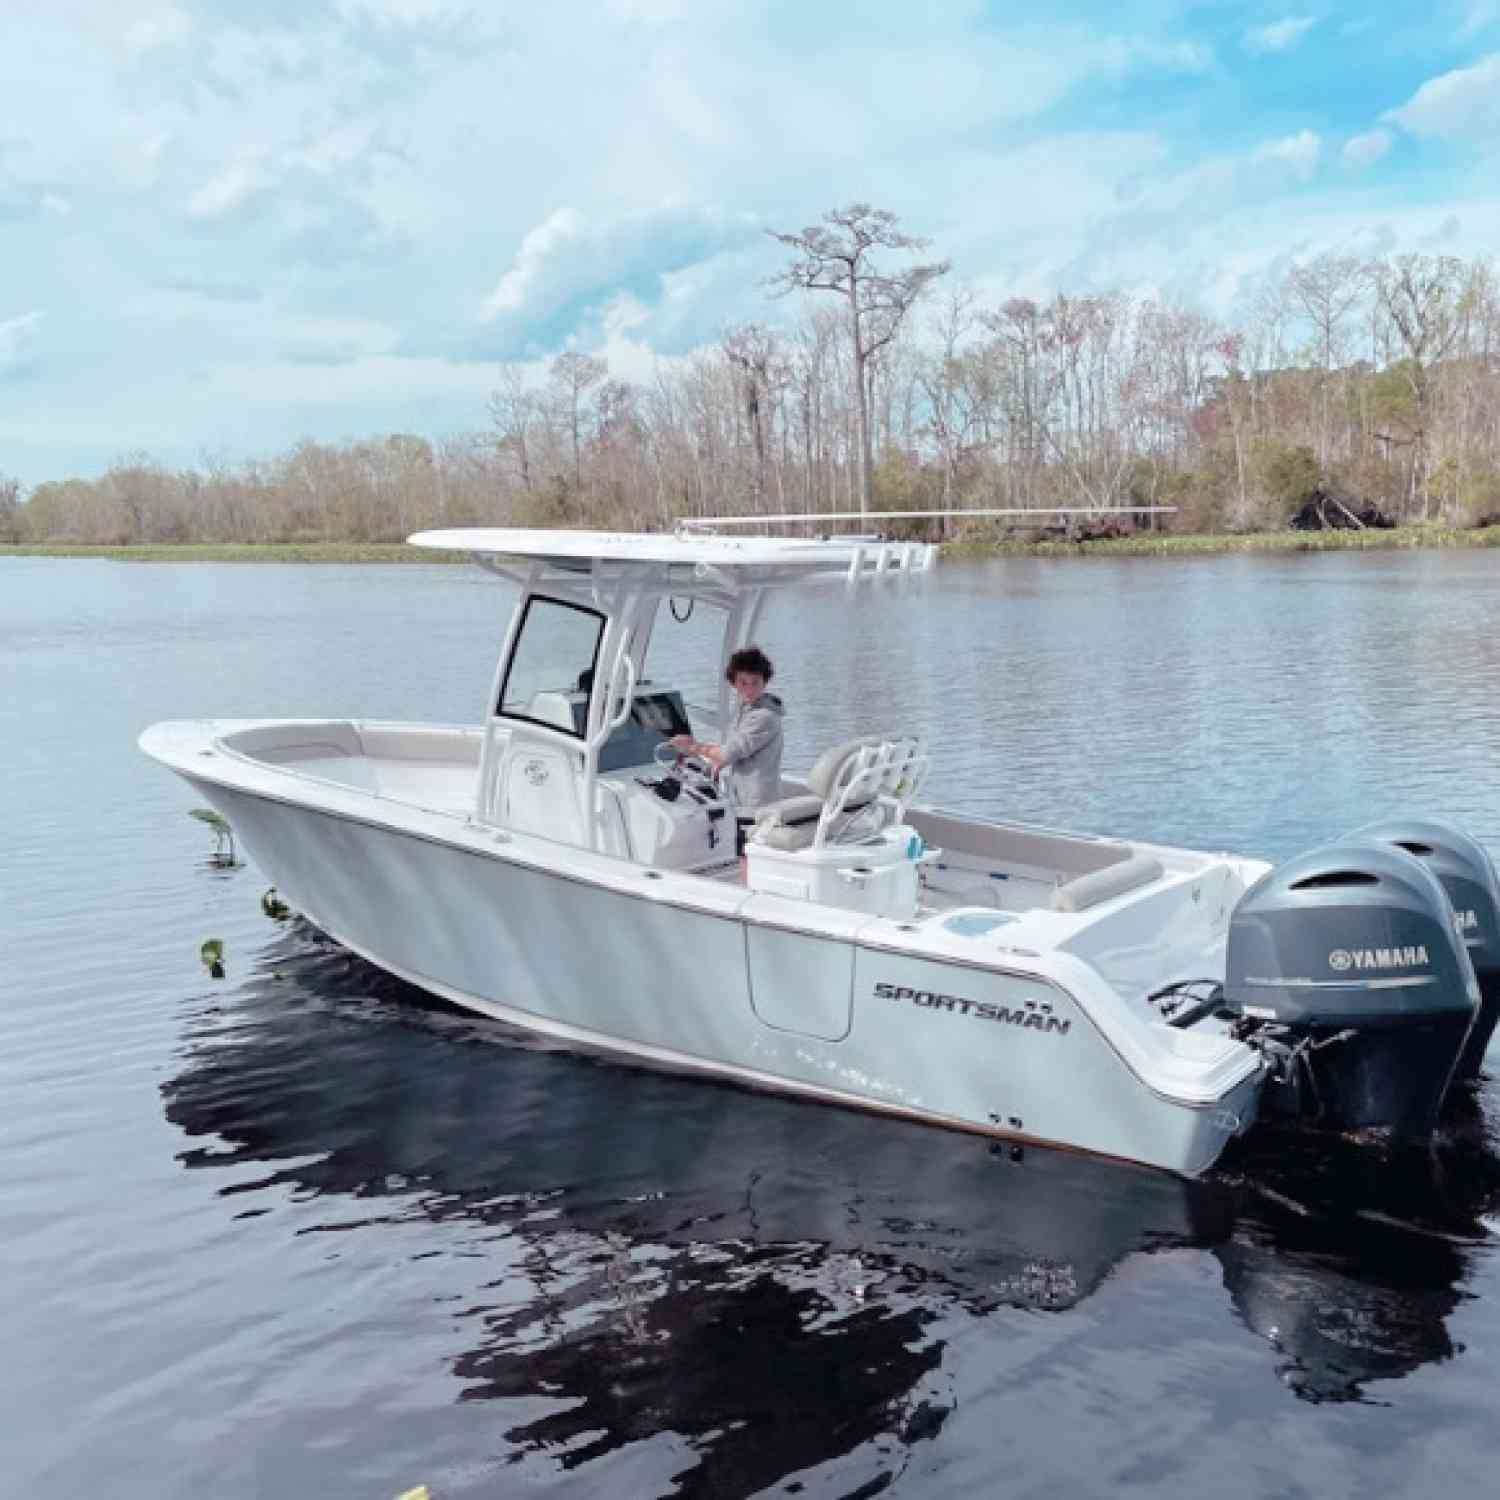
{"points": [[240, 318], [540, 252], [16, 335], [624, 313], [387, 379], [126, 28], [138, 158], [569, 258], [333, 338], [161, 28], [1366, 149], [1171, 57], [401, 12], [334, 149], [245, 176], [691, 109], [1279, 36], [650, 12], [1298, 152], [1463, 105], [260, 64]]}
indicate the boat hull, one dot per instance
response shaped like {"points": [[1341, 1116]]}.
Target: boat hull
{"points": [[627, 966]]}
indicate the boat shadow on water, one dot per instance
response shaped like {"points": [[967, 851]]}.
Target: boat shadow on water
{"points": [[724, 1265]]}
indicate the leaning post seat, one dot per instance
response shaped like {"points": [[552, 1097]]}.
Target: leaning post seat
{"points": [[846, 842], [855, 789]]}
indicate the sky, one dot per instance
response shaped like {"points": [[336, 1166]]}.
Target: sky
{"points": [[227, 225]]}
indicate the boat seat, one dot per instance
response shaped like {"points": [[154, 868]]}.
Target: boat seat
{"points": [[843, 783], [791, 823]]}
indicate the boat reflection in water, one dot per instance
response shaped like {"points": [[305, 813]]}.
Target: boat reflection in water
{"points": [[1348, 1258], [771, 1282]]}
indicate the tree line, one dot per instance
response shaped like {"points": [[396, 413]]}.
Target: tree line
{"points": [[1371, 385]]}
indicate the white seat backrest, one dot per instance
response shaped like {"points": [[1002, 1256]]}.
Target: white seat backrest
{"points": [[886, 772], [836, 764]]}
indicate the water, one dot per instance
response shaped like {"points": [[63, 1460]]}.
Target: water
{"points": [[300, 1231]]}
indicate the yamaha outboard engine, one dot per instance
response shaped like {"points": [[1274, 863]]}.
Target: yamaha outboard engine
{"points": [[1466, 873], [1347, 973]]}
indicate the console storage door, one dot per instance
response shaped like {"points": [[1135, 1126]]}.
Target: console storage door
{"points": [[800, 980], [540, 787]]}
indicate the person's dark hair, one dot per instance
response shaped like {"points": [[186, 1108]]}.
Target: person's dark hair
{"points": [[751, 659]]}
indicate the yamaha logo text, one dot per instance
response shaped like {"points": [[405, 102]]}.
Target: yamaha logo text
{"points": [[1342, 960]]}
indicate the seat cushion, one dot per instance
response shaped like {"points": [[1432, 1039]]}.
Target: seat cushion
{"points": [[788, 824], [786, 837], [792, 823], [802, 808], [1114, 880]]}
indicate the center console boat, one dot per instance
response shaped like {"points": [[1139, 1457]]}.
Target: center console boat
{"points": [[559, 867]]}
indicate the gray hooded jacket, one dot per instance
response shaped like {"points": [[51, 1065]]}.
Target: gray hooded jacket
{"points": [[752, 751]]}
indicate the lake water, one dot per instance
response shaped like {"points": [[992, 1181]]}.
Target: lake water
{"points": [[300, 1232]]}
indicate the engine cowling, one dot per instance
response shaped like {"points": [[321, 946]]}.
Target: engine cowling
{"points": [[1467, 874], [1346, 969]]}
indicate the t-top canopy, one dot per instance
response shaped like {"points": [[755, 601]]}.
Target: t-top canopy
{"points": [[579, 549]]}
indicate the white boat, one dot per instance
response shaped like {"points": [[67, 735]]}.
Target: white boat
{"points": [[556, 866]]}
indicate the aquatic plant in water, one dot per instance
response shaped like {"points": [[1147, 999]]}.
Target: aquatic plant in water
{"points": [[212, 954]]}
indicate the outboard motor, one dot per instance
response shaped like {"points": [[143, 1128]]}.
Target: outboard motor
{"points": [[1347, 973], [1467, 874]]}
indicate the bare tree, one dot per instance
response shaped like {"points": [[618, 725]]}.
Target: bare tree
{"points": [[814, 403], [1023, 336], [837, 256], [753, 351], [572, 374], [1326, 290], [1422, 296], [950, 415], [513, 410]]}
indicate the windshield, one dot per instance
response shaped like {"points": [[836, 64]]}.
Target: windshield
{"points": [[551, 674]]}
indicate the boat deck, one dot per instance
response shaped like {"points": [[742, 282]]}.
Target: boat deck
{"points": [[1007, 868], [431, 767]]}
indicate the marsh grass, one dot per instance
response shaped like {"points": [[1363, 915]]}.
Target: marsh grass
{"points": [[1164, 544]]}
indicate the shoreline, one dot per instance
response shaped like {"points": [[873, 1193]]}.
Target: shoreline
{"points": [[241, 552], [1146, 544], [1166, 544]]}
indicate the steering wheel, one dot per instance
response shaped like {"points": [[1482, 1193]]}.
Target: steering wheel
{"points": [[692, 770]]}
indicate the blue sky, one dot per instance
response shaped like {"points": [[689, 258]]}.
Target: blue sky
{"points": [[229, 224]]}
